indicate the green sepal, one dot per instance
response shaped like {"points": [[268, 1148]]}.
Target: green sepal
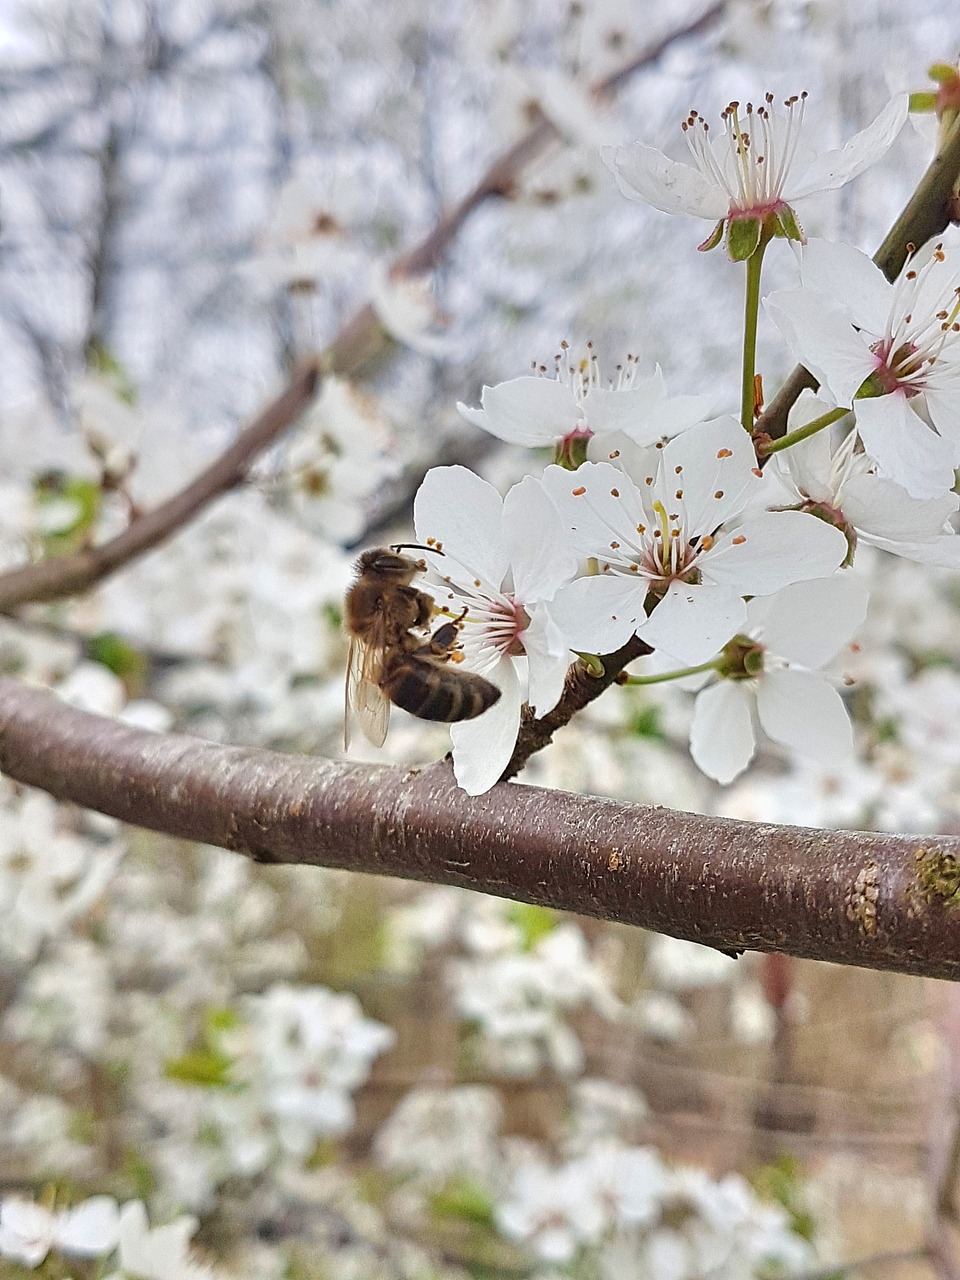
{"points": [[743, 238], [788, 226], [713, 239]]}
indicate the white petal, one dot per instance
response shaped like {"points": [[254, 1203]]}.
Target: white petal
{"points": [[808, 622], [905, 448], [599, 614], [774, 549], [803, 711], [808, 463], [90, 1229], [645, 412], [456, 508], [722, 740], [711, 459], [852, 280], [644, 173], [548, 658], [821, 337], [943, 551], [883, 508], [542, 556], [694, 622], [526, 411], [598, 506], [482, 747], [833, 168]]}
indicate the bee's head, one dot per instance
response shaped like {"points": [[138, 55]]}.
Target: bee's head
{"points": [[389, 563]]}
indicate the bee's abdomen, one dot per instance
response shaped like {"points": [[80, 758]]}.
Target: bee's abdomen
{"points": [[432, 692]]}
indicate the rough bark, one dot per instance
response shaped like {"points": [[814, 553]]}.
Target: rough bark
{"points": [[879, 901]]}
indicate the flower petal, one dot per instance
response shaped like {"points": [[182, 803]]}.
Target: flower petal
{"points": [[884, 509], [526, 411], [722, 739], [803, 711], [712, 467], [482, 747], [463, 513], [808, 622], [694, 622], [542, 556], [644, 173], [548, 659], [91, 1228], [854, 281], [771, 550], [821, 337], [599, 614], [598, 506], [905, 448], [644, 411], [833, 168]]}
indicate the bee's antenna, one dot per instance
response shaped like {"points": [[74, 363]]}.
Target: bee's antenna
{"points": [[414, 546]]}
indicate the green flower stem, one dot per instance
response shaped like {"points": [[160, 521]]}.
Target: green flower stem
{"points": [[803, 433], [751, 311], [712, 665]]}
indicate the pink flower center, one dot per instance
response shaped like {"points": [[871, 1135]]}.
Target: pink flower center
{"points": [[506, 622]]}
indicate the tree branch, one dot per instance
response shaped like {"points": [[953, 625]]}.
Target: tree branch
{"points": [[879, 901], [926, 214], [361, 341]]}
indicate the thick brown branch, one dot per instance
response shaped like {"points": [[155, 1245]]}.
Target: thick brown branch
{"points": [[361, 341], [926, 214], [880, 901]]}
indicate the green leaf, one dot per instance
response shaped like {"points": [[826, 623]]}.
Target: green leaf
{"points": [[533, 922], [115, 653], [645, 723], [102, 360], [204, 1067], [464, 1200]]}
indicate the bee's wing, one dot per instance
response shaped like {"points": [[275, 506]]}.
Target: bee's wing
{"points": [[364, 697]]}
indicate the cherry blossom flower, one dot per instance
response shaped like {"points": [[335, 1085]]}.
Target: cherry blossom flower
{"points": [[503, 559], [890, 351], [157, 1253], [668, 537], [841, 485], [29, 1231], [566, 411], [773, 666], [755, 173], [315, 1047]]}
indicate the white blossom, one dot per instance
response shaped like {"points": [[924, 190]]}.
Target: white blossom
{"points": [[786, 639], [759, 168], [889, 351], [574, 406], [840, 483], [503, 560], [29, 1231], [669, 535]]}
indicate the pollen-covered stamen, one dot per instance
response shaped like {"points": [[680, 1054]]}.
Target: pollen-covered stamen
{"points": [[917, 333], [760, 152], [665, 552]]}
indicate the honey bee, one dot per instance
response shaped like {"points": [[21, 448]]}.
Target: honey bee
{"points": [[389, 662]]}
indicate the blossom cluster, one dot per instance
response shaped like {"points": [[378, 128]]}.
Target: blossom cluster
{"points": [[658, 525]]}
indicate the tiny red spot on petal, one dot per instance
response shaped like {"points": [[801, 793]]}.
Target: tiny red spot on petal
{"points": [[724, 453], [579, 492], [739, 540]]}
